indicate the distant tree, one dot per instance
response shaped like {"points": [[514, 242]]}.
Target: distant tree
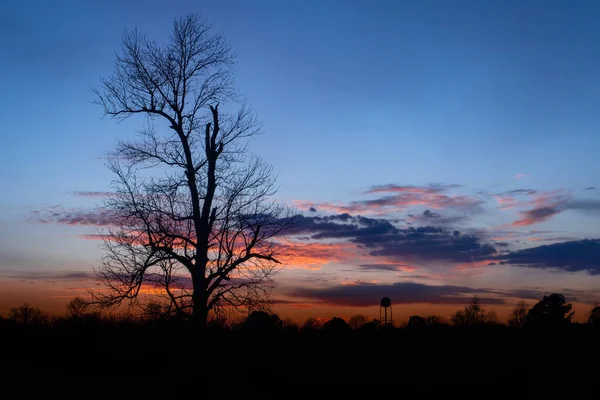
{"points": [[371, 326], [77, 308], [434, 320], [262, 321], [415, 322], [471, 315], [594, 316], [155, 310], [551, 312], [336, 324], [311, 324], [193, 211], [491, 318], [518, 315], [357, 321], [288, 325], [26, 314]]}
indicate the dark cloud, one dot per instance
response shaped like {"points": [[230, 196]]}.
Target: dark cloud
{"points": [[427, 244], [435, 218], [50, 275], [380, 267], [581, 255], [381, 238], [312, 209], [537, 215], [517, 192], [431, 214], [369, 294], [61, 215], [584, 205], [590, 188], [93, 194]]}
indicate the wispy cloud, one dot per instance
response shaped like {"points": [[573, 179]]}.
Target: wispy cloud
{"points": [[93, 194], [71, 216], [398, 198], [520, 176], [369, 294]]}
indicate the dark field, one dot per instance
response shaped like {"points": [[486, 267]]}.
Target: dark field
{"points": [[483, 361]]}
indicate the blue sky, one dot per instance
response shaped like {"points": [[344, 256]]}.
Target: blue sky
{"points": [[352, 95]]}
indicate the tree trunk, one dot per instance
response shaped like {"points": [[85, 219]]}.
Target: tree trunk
{"points": [[200, 307]]}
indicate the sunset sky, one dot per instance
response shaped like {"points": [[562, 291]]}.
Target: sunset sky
{"points": [[436, 150]]}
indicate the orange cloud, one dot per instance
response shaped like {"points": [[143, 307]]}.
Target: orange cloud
{"points": [[313, 255]]}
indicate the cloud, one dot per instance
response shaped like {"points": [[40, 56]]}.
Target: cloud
{"points": [[520, 176], [427, 244], [313, 255], [391, 188], [369, 294], [590, 188], [536, 215], [384, 267], [585, 206], [429, 217], [49, 275], [93, 194], [378, 237], [73, 216], [573, 256], [543, 206], [394, 198], [430, 214]]}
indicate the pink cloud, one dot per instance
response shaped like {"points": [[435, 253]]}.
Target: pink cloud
{"points": [[401, 198]]}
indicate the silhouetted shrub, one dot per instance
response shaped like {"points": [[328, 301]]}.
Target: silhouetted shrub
{"points": [[311, 325], [415, 322], [262, 321], [551, 312], [336, 325], [594, 316]]}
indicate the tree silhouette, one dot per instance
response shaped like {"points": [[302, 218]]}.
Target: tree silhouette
{"points": [[551, 312], [311, 324], [336, 325], [518, 315], [415, 322], [594, 316], [26, 314], [77, 308], [192, 213], [263, 322], [357, 321], [473, 314]]}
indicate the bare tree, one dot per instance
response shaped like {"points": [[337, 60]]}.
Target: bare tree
{"points": [[26, 314], [77, 308], [518, 315], [357, 321], [471, 315], [193, 213]]}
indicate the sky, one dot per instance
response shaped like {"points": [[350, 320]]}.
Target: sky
{"points": [[436, 150]]}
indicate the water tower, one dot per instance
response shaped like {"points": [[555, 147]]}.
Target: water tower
{"points": [[386, 303]]}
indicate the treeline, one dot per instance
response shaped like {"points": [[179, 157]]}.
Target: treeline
{"points": [[550, 313]]}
